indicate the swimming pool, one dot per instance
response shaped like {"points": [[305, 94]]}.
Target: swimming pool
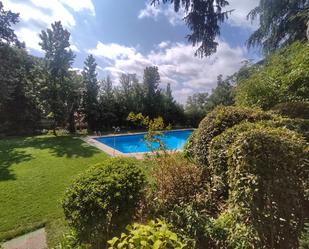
{"points": [[174, 140]]}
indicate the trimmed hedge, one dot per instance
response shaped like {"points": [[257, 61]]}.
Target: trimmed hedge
{"points": [[103, 200], [218, 121], [265, 174], [293, 109]]}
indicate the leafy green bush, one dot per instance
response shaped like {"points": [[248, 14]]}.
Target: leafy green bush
{"points": [[188, 149], [218, 121], [69, 241], [103, 200], [293, 109], [304, 239], [156, 234], [266, 175], [283, 77]]}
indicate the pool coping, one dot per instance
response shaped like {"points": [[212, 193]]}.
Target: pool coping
{"points": [[91, 140]]}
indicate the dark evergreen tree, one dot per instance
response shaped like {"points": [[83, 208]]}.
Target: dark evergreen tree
{"points": [[152, 92], [203, 18], [281, 22], [90, 98]]}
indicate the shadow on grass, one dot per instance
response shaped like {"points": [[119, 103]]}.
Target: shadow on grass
{"points": [[12, 150]]}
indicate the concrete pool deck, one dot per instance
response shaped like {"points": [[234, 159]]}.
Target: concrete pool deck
{"points": [[116, 153]]}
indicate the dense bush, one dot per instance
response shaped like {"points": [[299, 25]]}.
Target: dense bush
{"points": [[156, 234], [266, 175], [188, 149], [180, 196], [176, 181], [293, 109], [218, 121], [103, 200], [304, 239], [282, 77]]}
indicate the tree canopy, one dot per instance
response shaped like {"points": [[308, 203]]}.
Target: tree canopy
{"points": [[281, 22], [203, 18]]}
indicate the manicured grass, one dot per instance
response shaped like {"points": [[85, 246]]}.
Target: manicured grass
{"points": [[34, 173]]}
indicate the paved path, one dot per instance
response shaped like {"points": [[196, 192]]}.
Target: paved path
{"points": [[33, 240]]}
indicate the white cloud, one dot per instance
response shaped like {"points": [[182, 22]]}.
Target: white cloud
{"points": [[39, 14], [74, 48], [155, 11], [177, 65], [238, 18]]}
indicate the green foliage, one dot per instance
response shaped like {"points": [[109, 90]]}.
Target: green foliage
{"points": [[69, 241], [304, 239], [156, 235], [18, 94], [293, 109], [203, 18], [218, 121], [200, 104], [7, 19], [176, 181], [103, 200], [60, 94], [90, 98], [263, 163], [154, 126], [281, 22], [188, 149], [283, 77]]}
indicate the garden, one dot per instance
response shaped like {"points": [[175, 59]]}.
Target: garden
{"points": [[239, 182]]}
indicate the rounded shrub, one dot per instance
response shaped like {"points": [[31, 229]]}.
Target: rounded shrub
{"points": [[266, 174], [218, 121], [156, 234], [103, 200], [218, 154], [293, 109]]}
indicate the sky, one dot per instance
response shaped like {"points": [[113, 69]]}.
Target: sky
{"points": [[125, 36]]}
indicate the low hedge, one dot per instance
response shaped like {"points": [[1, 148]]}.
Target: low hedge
{"points": [[266, 174], [103, 200], [218, 121]]}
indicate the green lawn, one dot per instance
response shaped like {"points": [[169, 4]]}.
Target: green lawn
{"points": [[34, 173]]}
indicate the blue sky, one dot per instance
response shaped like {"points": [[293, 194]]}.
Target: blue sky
{"points": [[125, 36]]}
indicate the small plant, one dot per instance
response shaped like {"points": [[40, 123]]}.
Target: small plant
{"points": [[103, 200], [154, 127], [156, 235]]}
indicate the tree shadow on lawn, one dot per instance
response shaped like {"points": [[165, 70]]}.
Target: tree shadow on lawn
{"points": [[66, 146], [63, 146], [8, 157]]}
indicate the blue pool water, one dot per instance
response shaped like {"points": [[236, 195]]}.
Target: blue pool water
{"points": [[174, 140]]}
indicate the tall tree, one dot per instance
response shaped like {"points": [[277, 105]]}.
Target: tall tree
{"points": [[281, 22], [90, 98], [151, 83], [203, 18], [7, 19], [108, 112], [59, 58]]}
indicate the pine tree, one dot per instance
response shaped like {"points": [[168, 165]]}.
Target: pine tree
{"points": [[90, 98], [151, 92]]}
